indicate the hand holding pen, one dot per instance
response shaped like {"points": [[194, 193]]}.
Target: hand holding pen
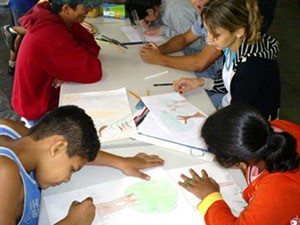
{"points": [[150, 53], [151, 45], [186, 84]]}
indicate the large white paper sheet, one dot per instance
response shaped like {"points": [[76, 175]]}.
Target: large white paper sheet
{"points": [[133, 201], [173, 118], [133, 35], [109, 110], [229, 189]]}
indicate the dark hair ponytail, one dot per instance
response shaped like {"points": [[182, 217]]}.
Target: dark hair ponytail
{"points": [[280, 155], [239, 133]]}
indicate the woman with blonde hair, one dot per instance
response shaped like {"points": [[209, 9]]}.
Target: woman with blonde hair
{"points": [[250, 73]]}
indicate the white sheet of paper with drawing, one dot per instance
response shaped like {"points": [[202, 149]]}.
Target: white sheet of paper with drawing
{"points": [[133, 35], [229, 189], [177, 119], [133, 201], [109, 110]]}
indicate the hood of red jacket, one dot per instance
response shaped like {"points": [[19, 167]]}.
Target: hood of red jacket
{"points": [[39, 16]]}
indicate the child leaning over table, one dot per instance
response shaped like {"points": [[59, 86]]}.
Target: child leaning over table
{"points": [[241, 137], [62, 142], [166, 18]]}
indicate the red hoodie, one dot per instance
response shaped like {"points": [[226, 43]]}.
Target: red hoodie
{"points": [[50, 50]]}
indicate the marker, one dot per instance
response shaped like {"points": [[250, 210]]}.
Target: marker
{"points": [[163, 84], [133, 43], [134, 95], [156, 75], [113, 41]]}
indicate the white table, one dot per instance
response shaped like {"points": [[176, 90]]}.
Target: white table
{"points": [[91, 175], [127, 70]]}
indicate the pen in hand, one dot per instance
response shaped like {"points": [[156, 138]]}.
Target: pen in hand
{"points": [[163, 84]]}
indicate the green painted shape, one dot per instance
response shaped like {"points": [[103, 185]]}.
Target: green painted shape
{"points": [[154, 196]]}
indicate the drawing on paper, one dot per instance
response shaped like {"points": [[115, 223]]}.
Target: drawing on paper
{"points": [[158, 201], [173, 118], [109, 110], [177, 116], [133, 35], [147, 197], [129, 200], [229, 189]]}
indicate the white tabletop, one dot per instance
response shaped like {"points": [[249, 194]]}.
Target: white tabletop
{"points": [[125, 69]]}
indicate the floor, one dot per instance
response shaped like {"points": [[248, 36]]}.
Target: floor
{"points": [[285, 27]]}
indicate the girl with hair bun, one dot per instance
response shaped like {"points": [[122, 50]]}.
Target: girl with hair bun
{"points": [[241, 137], [250, 73]]}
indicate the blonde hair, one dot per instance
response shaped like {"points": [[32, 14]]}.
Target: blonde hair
{"points": [[232, 15]]}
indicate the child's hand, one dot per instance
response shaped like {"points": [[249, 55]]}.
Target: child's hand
{"points": [[199, 186], [132, 165], [82, 213]]}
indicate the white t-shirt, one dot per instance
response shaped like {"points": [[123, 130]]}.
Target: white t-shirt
{"points": [[227, 75]]}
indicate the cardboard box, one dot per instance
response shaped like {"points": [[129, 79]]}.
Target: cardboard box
{"points": [[116, 11]]}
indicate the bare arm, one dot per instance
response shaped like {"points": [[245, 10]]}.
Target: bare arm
{"points": [[128, 165], [12, 194], [178, 43], [197, 63]]}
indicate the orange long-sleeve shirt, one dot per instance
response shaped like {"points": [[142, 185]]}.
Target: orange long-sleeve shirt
{"points": [[274, 198]]}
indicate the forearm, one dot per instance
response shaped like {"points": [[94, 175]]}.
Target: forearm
{"points": [[130, 166], [189, 63], [197, 63], [107, 159], [86, 40], [175, 44]]}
